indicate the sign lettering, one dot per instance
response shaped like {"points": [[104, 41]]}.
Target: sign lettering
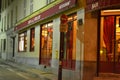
{"points": [[95, 5], [34, 19], [64, 5], [99, 4]]}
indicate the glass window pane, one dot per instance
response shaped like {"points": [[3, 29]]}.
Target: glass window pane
{"points": [[22, 46], [32, 39], [46, 43]]}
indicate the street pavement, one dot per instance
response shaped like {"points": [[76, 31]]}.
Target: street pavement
{"points": [[26, 71], [17, 71], [8, 72]]}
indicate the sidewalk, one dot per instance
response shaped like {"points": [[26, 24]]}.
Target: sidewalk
{"points": [[50, 76], [108, 76], [31, 70]]}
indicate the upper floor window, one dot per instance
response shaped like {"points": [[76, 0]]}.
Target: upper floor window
{"points": [[2, 25], [12, 0], [16, 13], [8, 2], [5, 4], [31, 6], [2, 4], [24, 6], [49, 1], [31, 0], [25, 3], [8, 21], [11, 18], [4, 48], [5, 28]]}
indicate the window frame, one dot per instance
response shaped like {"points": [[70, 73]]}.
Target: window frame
{"points": [[31, 6], [49, 1], [24, 8], [32, 36], [23, 43], [68, 58], [4, 44], [45, 51]]}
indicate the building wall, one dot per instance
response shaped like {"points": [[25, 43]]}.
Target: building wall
{"points": [[21, 7], [12, 13], [32, 58], [6, 27], [90, 48], [24, 57]]}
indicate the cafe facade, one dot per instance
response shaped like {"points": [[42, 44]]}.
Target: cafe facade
{"points": [[38, 38], [102, 22]]}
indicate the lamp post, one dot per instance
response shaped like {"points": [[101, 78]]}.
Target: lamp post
{"points": [[63, 29]]}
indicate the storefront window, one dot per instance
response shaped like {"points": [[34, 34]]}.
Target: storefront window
{"points": [[70, 43], [46, 43], [22, 41], [109, 55], [32, 39]]}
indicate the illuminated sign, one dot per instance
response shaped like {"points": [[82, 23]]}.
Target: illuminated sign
{"points": [[34, 19], [64, 5], [99, 4]]}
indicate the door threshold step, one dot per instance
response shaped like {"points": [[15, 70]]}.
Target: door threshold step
{"points": [[107, 76]]}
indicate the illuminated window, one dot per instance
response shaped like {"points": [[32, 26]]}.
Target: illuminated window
{"points": [[46, 43], [32, 39], [22, 43]]}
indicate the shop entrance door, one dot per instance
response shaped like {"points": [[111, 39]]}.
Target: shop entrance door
{"points": [[109, 61], [117, 45]]}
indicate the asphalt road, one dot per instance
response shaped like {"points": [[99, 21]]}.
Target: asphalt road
{"points": [[8, 72]]}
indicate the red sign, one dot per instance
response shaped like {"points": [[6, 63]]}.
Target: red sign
{"points": [[63, 23], [99, 4], [66, 4], [63, 19]]}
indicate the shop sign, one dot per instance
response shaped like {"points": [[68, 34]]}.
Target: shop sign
{"points": [[34, 19], [63, 19], [63, 27], [63, 23], [66, 4], [99, 4]]}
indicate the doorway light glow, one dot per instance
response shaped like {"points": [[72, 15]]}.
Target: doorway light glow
{"points": [[116, 10], [117, 25], [101, 52]]}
